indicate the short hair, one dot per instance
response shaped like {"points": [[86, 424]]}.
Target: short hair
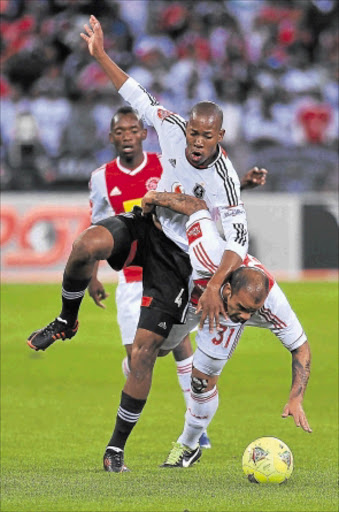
{"points": [[207, 108], [252, 279], [125, 111]]}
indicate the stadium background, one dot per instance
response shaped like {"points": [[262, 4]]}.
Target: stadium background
{"points": [[272, 66]]}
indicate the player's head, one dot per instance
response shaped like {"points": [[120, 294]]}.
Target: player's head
{"points": [[203, 133], [245, 293], [127, 133]]}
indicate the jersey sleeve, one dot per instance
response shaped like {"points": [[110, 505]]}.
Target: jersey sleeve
{"points": [[278, 316], [234, 225], [168, 125], [100, 206]]}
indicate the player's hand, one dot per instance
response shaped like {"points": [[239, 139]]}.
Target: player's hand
{"points": [[147, 204], [211, 306], [94, 37], [295, 409], [97, 292], [255, 177]]}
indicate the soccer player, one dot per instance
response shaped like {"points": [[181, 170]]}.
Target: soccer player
{"points": [[252, 298], [193, 162], [115, 188]]}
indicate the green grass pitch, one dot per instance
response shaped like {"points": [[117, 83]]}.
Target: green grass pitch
{"points": [[58, 410]]}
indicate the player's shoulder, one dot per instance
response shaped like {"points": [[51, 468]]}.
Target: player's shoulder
{"points": [[172, 119]]}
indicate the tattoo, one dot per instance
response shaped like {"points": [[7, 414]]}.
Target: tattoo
{"points": [[180, 203], [300, 374]]}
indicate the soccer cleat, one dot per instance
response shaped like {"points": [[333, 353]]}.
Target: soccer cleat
{"points": [[56, 330], [204, 441], [181, 456], [114, 460]]}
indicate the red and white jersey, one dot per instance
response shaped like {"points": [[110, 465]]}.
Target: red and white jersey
{"points": [[115, 189], [206, 249], [218, 184]]}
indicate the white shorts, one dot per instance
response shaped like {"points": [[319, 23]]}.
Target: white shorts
{"points": [[128, 299], [178, 332], [207, 364]]}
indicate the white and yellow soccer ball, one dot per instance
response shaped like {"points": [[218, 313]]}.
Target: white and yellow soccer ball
{"points": [[267, 459]]}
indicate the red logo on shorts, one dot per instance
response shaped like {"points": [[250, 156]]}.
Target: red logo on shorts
{"points": [[152, 183], [146, 301], [194, 232]]}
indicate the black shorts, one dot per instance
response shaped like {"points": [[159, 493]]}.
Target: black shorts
{"points": [[166, 268]]}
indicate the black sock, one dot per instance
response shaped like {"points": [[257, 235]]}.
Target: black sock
{"points": [[128, 415], [73, 291]]}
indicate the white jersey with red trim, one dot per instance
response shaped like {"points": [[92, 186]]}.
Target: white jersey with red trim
{"points": [[218, 184], [115, 189], [206, 250]]}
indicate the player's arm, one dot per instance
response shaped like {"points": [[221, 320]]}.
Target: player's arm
{"points": [[255, 177], [180, 203], [301, 367], [234, 225], [94, 38]]}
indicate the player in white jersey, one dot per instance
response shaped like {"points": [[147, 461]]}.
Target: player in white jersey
{"points": [[193, 162], [271, 311], [115, 188]]}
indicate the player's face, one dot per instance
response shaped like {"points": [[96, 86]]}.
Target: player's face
{"points": [[127, 136], [240, 306], [203, 133]]}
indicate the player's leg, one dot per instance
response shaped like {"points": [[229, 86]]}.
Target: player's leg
{"points": [[183, 355], [145, 349], [111, 241], [128, 300], [203, 405]]}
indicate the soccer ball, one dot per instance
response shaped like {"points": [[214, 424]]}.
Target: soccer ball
{"points": [[267, 459]]}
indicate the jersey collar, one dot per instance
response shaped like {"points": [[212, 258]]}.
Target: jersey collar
{"points": [[132, 172]]}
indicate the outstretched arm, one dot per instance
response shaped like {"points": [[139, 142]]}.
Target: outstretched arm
{"points": [[180, 203], [253, 178], [94, 38], [301, 367]]}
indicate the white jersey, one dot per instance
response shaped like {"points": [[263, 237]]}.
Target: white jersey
{"points": [[206, 249], [218, 184]]}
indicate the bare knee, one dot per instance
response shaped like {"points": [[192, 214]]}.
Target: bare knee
{"points": [[145, 348], [96, 243]]}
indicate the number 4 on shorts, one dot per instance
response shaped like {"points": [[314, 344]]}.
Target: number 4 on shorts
{"points": [[178, 300]]}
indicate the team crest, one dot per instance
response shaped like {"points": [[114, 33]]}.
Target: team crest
{"points": [[152, 183], [199, 191], [162, 113]]}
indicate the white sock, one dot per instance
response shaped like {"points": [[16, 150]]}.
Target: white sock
{"points": [[184, 372], [200, 411], [125, 367]]}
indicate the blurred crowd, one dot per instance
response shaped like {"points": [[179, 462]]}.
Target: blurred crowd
{"points": [[272, 65]]}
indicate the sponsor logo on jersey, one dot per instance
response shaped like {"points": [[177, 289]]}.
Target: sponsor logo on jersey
{"points": [[173, 162], [151, 183], [162, 113], [232, 212], [198, 191], [178, 188], [194, 232], [115, 191]]}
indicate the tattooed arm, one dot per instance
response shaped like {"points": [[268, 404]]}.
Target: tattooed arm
{"points": [[180, 203], [301, 366]]}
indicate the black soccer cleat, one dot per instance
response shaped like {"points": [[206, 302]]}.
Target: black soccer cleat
{"points": [[114, 460], [182, 456], [56, 330]]}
